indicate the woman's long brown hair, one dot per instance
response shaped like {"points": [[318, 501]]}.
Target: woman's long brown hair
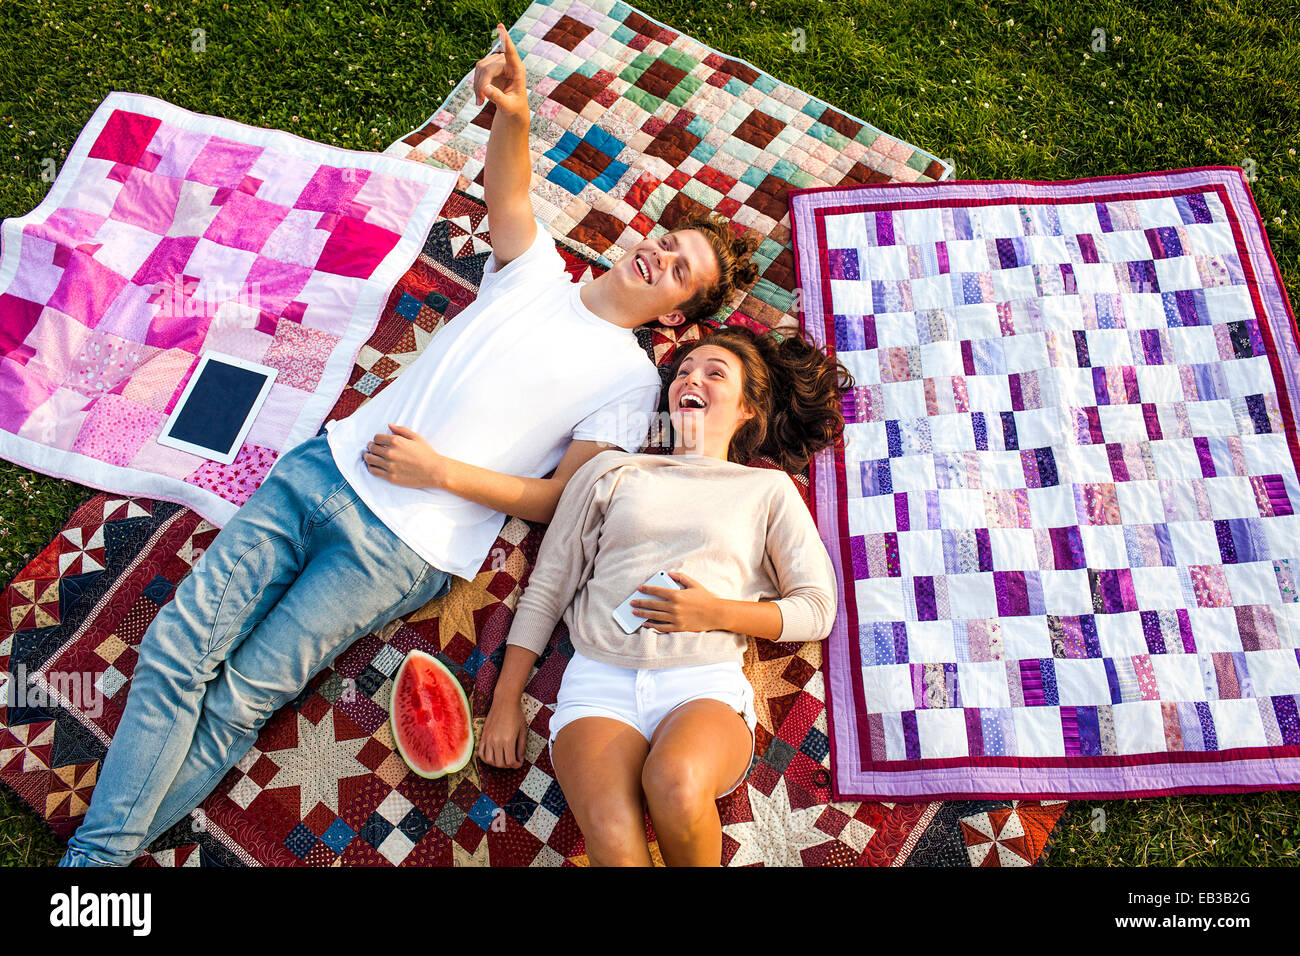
{"points": [[793, 388]]}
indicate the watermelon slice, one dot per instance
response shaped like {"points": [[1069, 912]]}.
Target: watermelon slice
{"points": [[430, 717]]}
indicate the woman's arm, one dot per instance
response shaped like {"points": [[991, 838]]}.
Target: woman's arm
{"points": [[695, 608], [505, 732], [565, 558], [755, 618], [797, 563], [801, 569], [563, 563]]}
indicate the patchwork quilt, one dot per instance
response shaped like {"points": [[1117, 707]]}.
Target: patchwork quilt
{"points": [[638, 126], [323, 785], [169, 234], [1064, 511]]}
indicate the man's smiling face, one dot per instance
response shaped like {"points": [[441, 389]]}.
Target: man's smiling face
{"points": [[664, 273]]}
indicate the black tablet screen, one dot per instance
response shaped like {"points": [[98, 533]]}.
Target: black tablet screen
{"points": [[219, 403]]}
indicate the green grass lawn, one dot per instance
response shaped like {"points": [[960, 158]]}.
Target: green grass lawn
{"points": [[1040, 90]]}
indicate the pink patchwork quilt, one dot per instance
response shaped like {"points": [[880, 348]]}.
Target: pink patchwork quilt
{"points": [[168, 234], [1064, 512]]}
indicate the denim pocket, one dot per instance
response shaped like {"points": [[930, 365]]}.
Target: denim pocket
{"points": [[335, 503], [424, 585]]}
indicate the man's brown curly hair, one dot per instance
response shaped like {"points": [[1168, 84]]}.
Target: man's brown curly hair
{"points": [[735, 270]]}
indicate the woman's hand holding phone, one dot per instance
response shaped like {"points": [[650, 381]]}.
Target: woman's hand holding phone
{"points": [[692, 608]]}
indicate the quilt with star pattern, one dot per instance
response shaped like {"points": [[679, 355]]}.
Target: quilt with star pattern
{"points": [[1064, 510], [324, 785]]}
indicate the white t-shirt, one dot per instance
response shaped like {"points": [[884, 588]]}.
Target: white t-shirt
{"points": [[524, 369]]}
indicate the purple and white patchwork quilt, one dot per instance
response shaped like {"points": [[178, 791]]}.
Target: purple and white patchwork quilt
{"points": [[1064, 513], [168, 234]]}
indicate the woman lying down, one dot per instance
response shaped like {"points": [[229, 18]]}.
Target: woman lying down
{"points": [[662, 718]]}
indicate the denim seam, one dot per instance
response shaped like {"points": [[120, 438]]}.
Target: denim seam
{"points": [[424, 573], [171, 726], [212, 634], [312, 524], [339, 489]]}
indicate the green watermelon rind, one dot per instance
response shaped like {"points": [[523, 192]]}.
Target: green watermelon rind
{"points": [[392, 715]]}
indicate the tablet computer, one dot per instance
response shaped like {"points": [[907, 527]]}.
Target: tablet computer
{"points": [[218, 407]]}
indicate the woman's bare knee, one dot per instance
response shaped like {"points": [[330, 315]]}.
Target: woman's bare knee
{"points": [[598, 766], [675, 788]]}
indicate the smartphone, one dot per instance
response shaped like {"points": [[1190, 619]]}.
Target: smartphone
{"points": [[628, 621]]}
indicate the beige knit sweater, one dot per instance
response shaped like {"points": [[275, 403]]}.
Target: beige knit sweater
{"points": [[743, 533]]}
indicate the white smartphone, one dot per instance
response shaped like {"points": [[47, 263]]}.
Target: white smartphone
{"points": [[628, 621]]}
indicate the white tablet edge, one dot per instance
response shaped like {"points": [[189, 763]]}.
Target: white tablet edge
{"points": [[210, 454]]}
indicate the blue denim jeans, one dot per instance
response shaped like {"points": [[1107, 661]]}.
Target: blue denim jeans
{"points": [[302, 570]]}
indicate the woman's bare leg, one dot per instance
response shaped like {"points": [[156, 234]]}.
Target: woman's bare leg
{"points": [[698, 751], [598, 763]]}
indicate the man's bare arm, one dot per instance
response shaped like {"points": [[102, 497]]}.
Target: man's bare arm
{"points": [[404, 458], [507, 168], [533, 499]]}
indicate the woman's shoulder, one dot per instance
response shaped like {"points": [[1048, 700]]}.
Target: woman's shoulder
{"points": [[597, 467]]}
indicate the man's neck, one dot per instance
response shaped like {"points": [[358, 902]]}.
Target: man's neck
{"points": [[596, 296]]}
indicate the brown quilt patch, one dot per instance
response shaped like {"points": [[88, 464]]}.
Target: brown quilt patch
{"points": [[567, 33], [759, 129], [673, 144]]}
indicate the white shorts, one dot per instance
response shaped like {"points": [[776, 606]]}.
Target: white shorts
{"points": [[643, 697]]}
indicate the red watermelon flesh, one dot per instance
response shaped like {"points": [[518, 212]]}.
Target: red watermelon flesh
{"points": [[430, 717]]}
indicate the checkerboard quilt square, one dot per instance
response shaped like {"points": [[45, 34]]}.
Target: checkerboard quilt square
{"points": [[1107, 571], [663, 103]]}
